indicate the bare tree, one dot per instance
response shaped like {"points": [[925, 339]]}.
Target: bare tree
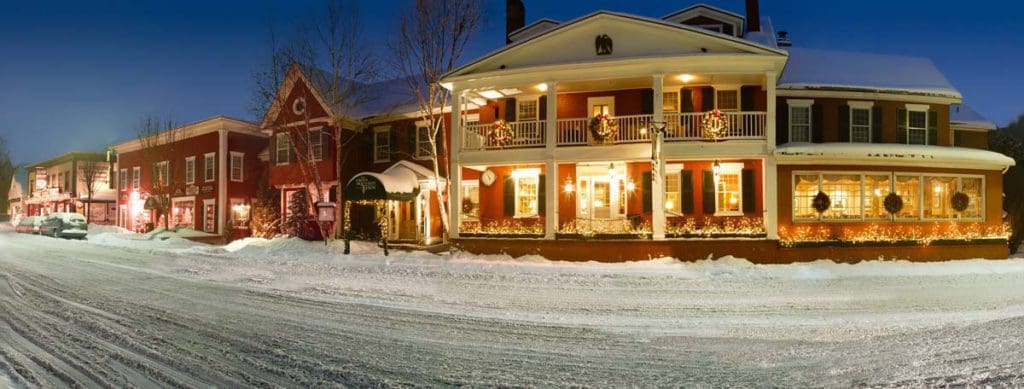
{"points": [[330, 51], [159, 144], [6, 174], [432, 37], [92, 172]]}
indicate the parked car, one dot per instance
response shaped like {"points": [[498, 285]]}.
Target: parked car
{"points": [[29, 225], [64, 225]]}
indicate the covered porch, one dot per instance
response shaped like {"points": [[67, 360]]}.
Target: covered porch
{"points": [[398, 206]]}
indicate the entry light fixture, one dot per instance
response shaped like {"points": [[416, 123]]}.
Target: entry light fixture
{"points": [[611, 170], [716, 168], [630, 186], [568, 185]]}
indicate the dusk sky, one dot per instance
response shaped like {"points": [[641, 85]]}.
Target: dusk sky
{"points": [[79, 75]]}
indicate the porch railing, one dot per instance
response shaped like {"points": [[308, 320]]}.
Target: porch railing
{"points": [[739, 125], [523, 134]]}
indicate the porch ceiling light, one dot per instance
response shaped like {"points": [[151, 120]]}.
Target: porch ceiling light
{"points": [[543, 87], [490, 94], [510, 91], [478, 101], [686, 77]]}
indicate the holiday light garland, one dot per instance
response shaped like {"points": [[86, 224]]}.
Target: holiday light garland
{"points": [[892, 234], [713, 124], [603, 128], [710, 227], [590, 228], [502, 227]]}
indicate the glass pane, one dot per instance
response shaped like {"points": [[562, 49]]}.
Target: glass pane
{"points": [[672, 193], [670, 102], [875, 190], [804, 190], [602, 200], [728, 192], [584, 197], [972, 187], [528, 110], [938, 199], [917, 119], [909, 189], [526, 192], [728, 100], [844, 191]]}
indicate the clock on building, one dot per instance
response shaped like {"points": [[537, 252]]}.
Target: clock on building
{"points": [[487, 177]]}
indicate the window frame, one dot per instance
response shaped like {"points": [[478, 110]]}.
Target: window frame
{"points": [[515, 181], [528, 99], [920, 108], [163, 177], [674, 108], [462, 187], [136, 177], [420, 142], [735, 169], [207, 167], [673, 170], [861, 105], [241, 166], [801, 104], [287, 148], [122, 179], [190, 170], [319, 147], [377, 157], [735, 89]]}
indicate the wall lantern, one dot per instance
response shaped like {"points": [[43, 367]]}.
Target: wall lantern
{"points": [[630, 186], [716, 168], [611, 170], [568, 185], [325, 211]]}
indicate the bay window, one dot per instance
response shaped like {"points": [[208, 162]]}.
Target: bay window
{"points": [[805, 187], [938, 198], [973, 187]]}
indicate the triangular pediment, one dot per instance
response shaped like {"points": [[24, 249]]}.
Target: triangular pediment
{"points": [[628, 36], [296, 99]]}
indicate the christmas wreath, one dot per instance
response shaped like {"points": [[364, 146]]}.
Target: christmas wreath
{"points": [[893, 203], [603, 128], [713, 124], [467, 206], [500, 135], [960, 201], [821, 202]]}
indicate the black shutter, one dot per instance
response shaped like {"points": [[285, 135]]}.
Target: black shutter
{"points": [[747, 98], [325, 144], [170, 172], [817, 124], [647, 101], [782, 123], [686, 191], [748, 190], [152, 177], [542, 108], [541, 198], [510, 110], [648, 188], [708, 193], [215, 167], [686, 100], [508, 186], [901, 125], [876, 125], [707, 98], [844, 123], [292, 146], [273, 150], [933, 127], [412, 140], [332, 194]]}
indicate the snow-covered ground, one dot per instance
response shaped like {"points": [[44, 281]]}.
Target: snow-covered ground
{"points": [[161, 310]]}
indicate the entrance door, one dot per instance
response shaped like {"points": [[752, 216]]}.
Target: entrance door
{"points": [[407, 220], [601, 106], [601, 198], [122, 219]]}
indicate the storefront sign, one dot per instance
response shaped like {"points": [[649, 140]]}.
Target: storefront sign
{"points": [[191, 190], [206, 189]]}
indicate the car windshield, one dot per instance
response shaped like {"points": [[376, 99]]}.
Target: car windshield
{"points": [[77, 218]]}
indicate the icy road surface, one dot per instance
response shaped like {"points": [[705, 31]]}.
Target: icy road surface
{"points": [[114, 313]]}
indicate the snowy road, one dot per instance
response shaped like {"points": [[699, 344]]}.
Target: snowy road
{"points": [[297, 314]]}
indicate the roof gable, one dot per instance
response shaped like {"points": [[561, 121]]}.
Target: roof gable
{"points": [[702, 14], [631, 37], [296, 85]]}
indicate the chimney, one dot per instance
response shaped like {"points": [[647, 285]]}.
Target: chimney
{"points": [[783, 41], [515, 17], [753, 16]]}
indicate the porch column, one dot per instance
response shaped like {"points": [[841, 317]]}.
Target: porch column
{"points": [[455, 169], [657, 163], [771, 172], [222, 182], [551, 166]]}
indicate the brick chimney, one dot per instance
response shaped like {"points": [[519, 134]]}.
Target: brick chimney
{"points": [[753, 16], [515, 17]]}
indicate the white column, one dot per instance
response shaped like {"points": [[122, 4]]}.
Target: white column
{"points": [[658, 164], [455, 169], [771, 172], [551, 166], [222, 181]]}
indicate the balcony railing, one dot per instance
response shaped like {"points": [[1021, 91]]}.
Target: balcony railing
{"points": [[631, 129]]}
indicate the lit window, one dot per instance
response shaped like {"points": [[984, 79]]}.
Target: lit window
{"points": [[727, 100], [860, 125], [672, 200], [122, 179], [909, 190], [423, 148], [240, 213], [805, 187], [183, 213], [917, 127], [237, 166], [526, 196], [526, 110], [876, 188], [316, 145], [284, 148], [190, 170], [382, 144], [161, 171], [844, 193], [136, 177], [800, 121], [210, 166], [470, 200], [728, 196], [670, 101], [938, 198], [972, 187]]}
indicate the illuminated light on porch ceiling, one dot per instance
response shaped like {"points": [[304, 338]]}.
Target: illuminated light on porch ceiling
{"points": [[526, 172], [543, 87], [490, 94], [878, 192], [478, 101], [510, 91], [686, 77]]}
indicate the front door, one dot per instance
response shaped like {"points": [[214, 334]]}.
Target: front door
{"points": [[601, 106]]}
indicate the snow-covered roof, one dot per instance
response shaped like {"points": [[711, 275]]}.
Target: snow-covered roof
{"points": [[890, 155], [962, 116], [880, 73]]}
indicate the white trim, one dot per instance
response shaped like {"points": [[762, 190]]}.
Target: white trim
{"points": [[918, 107], [241, 167], [731, 168], [277, 148], [860, 95], [801, 104], [600, 100], [528, 98], [122, 180], [416, 153], [136, 177], [377, 130], [206, 171], [295, 105], [190, 180], [862, 105], [196, 129]]}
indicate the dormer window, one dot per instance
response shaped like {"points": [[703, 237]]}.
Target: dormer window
{"points": [[713, 27], [709, 18]]}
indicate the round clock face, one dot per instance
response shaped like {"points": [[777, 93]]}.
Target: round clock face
{"points": [[488, 177]]}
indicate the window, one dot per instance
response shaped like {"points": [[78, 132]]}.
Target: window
{"points": [[673, 203], [860, 122], [284, 148], [161, 171], [972, 187], [670, 101], [470, 200], [237, 166], [800, 120], [122, 179], [190, 170], [805, 187], [423, 149], [136, 177], [909, 189], [728, 193], [239, 213], [938, 198], [917, 127], [316, 145], [382, 144], [526, 110], [527, 195], [876, 187], [210, 166], [844, 191], [183, 213], [727, 99]]}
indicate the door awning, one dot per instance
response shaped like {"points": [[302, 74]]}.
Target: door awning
{"points": [[397, 184]]}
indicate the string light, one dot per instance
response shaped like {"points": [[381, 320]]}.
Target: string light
{"points": [[878, 233]]}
